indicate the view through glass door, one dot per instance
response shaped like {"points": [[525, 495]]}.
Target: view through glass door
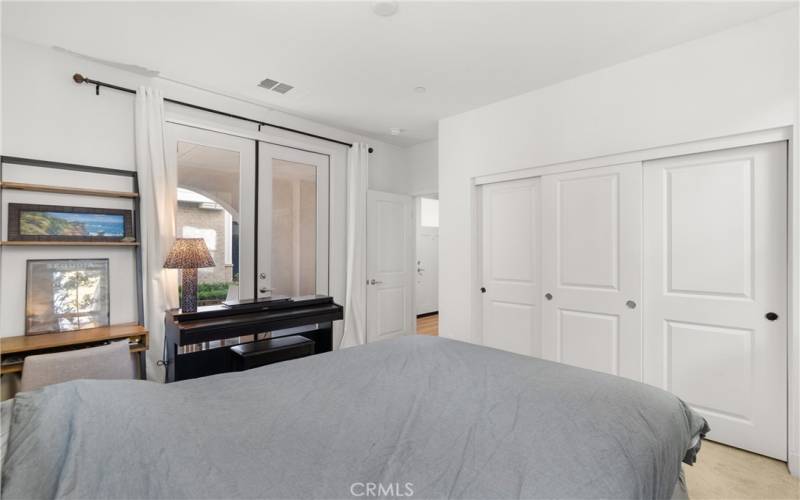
{"points": [[216, 202], [293, 222]]}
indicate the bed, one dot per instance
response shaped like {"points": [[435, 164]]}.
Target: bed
{"points": [[416, 416]]}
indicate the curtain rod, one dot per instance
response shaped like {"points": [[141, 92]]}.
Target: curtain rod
{"points": [[79, 78]]}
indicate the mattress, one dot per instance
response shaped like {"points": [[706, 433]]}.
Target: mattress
{"points": [[428, 416]]}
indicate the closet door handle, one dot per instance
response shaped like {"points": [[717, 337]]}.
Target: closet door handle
{"points": [[548, 296], [771, 316], [631, 304], [375, 282]]}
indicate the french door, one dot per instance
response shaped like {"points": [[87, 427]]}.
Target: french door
{"points": [[265, 221], [293, 222], [216, 202]]}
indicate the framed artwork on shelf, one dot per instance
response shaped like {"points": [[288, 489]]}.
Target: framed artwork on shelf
{"points": [[66, 294], [68, 224]]}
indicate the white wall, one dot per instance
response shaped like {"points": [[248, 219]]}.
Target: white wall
{"points": [[47, 116], [740, 80], [423, 163]]}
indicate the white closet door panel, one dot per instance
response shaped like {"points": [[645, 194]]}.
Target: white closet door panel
{"points": [[510, 266], [715, 247], [591, 269]]}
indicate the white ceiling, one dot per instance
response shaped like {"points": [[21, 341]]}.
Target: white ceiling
{"points": [[355, 70]]}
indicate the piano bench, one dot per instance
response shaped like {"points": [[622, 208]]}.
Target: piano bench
{"points": [[265, 352]]}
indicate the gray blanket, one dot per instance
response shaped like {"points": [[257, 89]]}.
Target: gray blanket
{"points": [[419, 416]]}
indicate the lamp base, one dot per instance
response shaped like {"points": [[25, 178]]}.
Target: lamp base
{"points": [[189, 290]]}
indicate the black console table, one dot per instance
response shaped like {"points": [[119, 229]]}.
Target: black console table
{"points": [[199, 343]]}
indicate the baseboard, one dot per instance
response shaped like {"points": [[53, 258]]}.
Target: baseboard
{"points": [[434, 313], [794, 464]]}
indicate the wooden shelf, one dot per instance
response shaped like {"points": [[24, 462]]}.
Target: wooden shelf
{"points": [[28, 343], [67, 190], [69, 243]]}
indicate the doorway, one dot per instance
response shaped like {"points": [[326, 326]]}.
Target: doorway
{"points": [[426, 208]]}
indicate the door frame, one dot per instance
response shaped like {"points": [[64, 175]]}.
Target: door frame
{"points": [[247, 207], [337, 195], [416, 203], [323, 205], [790, 134]]}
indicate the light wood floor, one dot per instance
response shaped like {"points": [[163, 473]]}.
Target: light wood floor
{"points": [[721, 472], [428, 325]]}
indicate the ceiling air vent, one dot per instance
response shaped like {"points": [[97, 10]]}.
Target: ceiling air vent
{"points": [[275, 86], [282, 88], [268, 84]]}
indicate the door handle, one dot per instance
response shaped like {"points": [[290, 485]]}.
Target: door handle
{"points": [[771, 316], [548, 296], [264, 289], [483, 289], [375, 282], [631, 304]]}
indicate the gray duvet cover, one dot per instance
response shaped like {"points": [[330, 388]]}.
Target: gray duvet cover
{"points": [[416, 416]]}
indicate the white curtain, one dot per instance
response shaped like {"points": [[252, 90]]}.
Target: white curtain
{"points": [[158, 202], [355, 302]]}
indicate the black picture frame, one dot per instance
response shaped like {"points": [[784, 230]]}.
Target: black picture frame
{"points": [[16, 211]]}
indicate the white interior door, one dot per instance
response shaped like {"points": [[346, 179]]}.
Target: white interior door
{"points": [[715, 246], [591, 269], [510, 266], [427, 269], [216, 200], [293, 222], [390, 266]]}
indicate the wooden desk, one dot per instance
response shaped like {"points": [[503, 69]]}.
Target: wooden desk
{"points": [[24, 345]]}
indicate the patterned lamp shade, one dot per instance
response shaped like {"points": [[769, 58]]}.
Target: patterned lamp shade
{"points": [[189, 253]]}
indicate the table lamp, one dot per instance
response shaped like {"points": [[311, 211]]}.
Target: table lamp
{"points": [[188, 254]]}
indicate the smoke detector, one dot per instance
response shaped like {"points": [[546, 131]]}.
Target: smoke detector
{"points": [[384, 8]]}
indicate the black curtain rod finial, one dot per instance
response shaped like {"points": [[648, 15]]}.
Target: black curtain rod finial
{"points": [[78, 78]]}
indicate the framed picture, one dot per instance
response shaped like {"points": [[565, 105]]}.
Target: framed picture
{"points": [[66, 294], [57, 223]]}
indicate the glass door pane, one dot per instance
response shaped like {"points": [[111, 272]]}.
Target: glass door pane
{"points": [[215, 201], [292, 222]]}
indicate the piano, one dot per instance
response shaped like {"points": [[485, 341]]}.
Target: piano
{"points": [[200, 343]]}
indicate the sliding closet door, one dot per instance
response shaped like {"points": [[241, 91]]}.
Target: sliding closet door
{"points": [[591, 269], [510, 274], [293, 222], [715, 289]]}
